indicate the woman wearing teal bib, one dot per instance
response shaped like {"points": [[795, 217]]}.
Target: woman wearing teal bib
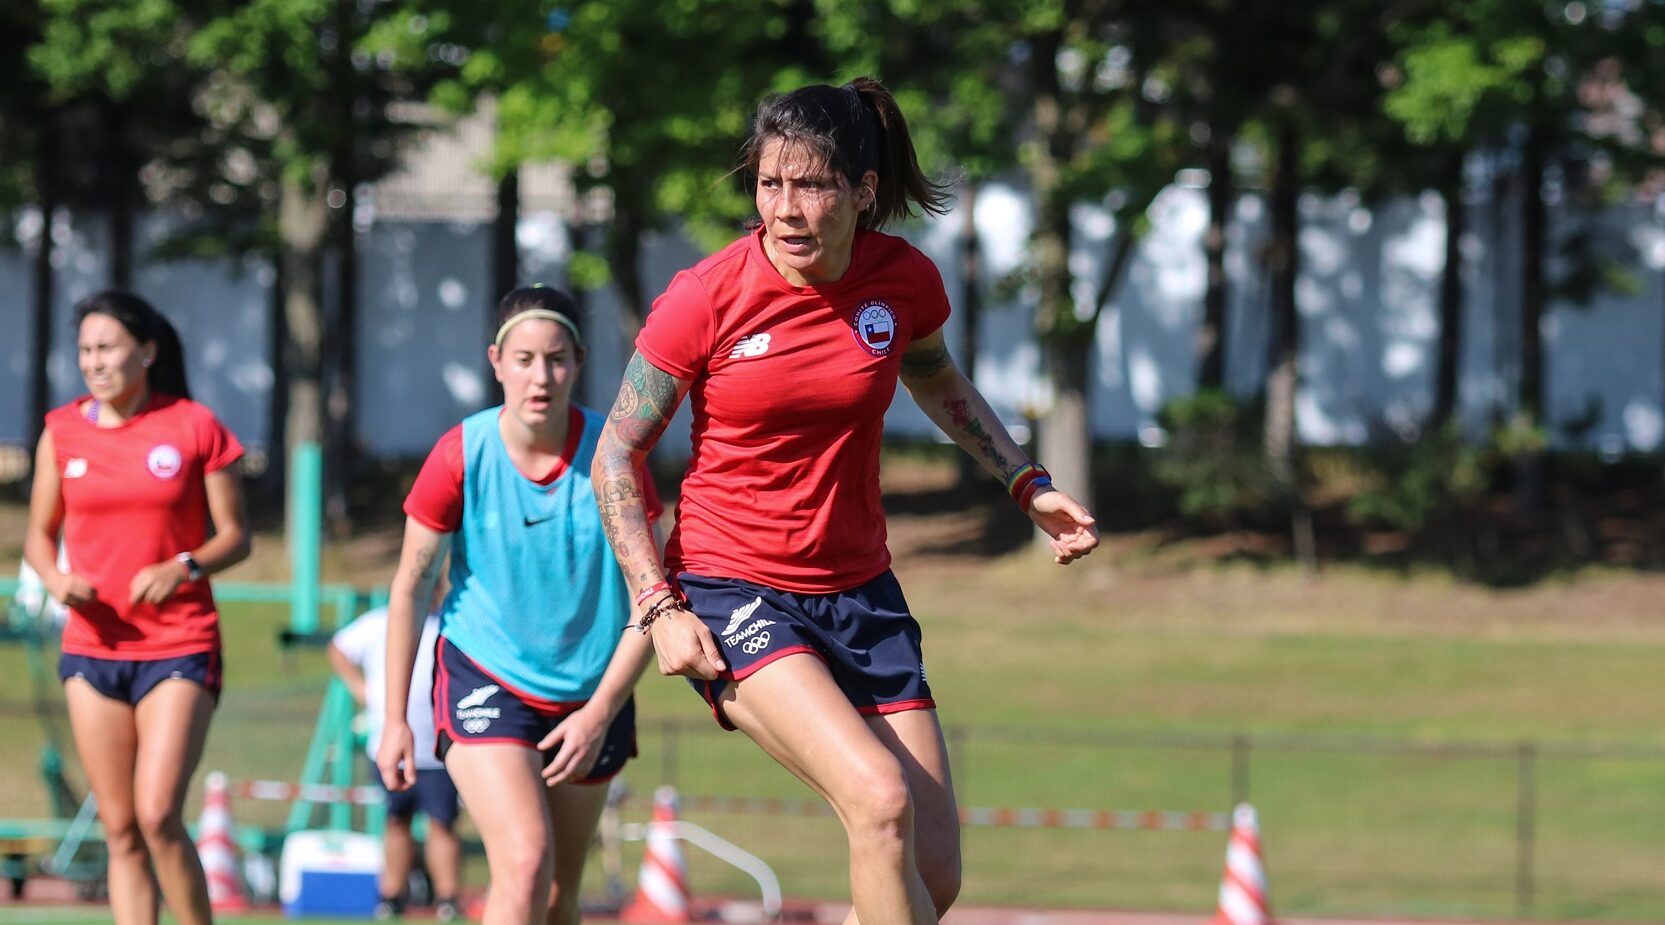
{"points": [[533, 672]]}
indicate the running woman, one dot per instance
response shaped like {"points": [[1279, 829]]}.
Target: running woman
{"points": [[130, 475], [778, 600], [534, 672]]}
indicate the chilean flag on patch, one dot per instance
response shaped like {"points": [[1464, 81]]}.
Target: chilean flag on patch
{"points": [[874, 325]]}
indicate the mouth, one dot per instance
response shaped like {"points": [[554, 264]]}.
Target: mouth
{"points": [[795, 244]]}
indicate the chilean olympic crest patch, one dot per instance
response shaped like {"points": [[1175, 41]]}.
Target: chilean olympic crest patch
{"points": [[874, 325]]}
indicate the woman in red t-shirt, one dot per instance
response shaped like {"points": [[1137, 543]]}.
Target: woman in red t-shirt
{"points": [[779, 601], [129, 476]]}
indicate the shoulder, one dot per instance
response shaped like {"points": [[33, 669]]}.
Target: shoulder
{"points": [[725, 264], [64, 414]]}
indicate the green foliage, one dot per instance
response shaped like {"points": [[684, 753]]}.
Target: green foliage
{"points": [[1410, 483], [1213, 457]]}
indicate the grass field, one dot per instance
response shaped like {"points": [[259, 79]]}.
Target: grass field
{"points": [[1377, 720]]}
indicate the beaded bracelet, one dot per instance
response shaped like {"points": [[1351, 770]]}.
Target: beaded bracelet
{"points": [[670, 603], [1026, 481]]}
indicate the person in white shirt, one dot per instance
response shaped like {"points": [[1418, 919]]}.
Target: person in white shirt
{"points": [[357, 653]]}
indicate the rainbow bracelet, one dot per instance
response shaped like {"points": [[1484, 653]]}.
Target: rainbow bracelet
{"points": [[1025, 482]]}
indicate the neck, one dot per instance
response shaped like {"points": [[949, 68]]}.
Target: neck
{"points": [[124, 407], [549, 436]]}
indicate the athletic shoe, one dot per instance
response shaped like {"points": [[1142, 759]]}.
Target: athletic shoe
{"points": [[387, 909], [446, 910]]}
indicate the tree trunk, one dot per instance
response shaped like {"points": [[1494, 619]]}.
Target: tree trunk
{"points": [[1209, 348], [40, 347], [340, 348], [303, 219], [120, 181], [505, 264], [1533, 225], [1283, 371], [1451, 294], [971, 308], [1065, 440], [1531, 486]]}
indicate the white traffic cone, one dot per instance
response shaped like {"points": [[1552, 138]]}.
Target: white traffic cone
{"points": [[662, 885], [216, 849], [1244, 899]]}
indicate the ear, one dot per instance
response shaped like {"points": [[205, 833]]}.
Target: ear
{"points": [[869, 195], [495, 359]]}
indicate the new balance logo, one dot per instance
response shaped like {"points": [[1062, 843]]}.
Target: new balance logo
{"points": [[754, 345], [477, 696], [740, 615]]}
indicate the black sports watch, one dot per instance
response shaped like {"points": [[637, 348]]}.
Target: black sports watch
{"points": [[193, 571]]}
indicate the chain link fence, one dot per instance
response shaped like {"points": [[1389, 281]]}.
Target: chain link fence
{"points": [[1350, 826]]}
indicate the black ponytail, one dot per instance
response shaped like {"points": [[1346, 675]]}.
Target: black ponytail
{"points": [[851, 129], [166, 373], [900, 178]]}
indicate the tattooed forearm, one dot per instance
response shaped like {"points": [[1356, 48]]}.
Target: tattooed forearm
{"points": [[647, 399], [926, 362], [965, 417]]}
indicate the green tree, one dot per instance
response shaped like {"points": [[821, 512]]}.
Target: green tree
{"points": [[297, 84]]}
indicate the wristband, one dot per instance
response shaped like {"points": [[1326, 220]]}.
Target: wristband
{"points": [[661, 585], [193, 571], [1026, 481]]}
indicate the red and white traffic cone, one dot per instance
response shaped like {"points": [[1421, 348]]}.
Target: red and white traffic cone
{"points": [[216, 849], [1244, 899], [662, 885]]}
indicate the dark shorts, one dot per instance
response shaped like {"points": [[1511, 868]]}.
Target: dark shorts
{"points": [[866, 636], [129, 680], [472, 706], [434, 795]]}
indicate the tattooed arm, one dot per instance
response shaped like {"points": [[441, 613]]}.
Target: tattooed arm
{"points": [[647, 399], [420, 559], [950, 400]]}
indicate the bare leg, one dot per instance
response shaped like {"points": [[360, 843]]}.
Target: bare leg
{"points": [[505, 795], [107, 739], [574, 809], [398, 851], [792, 708], [444, 854], [915, 738], [173, 725]]}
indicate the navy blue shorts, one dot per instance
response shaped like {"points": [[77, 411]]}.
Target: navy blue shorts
{"points": [[129, 680], [433, 795], [866, 636], [472, 706]]}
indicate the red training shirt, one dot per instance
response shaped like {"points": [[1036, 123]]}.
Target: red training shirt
{"points": [[790, 388], [134, 496]]}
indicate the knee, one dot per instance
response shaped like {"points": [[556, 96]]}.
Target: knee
{"points": [[881, 806], [121, 833], [159, 822], [523, 866]]}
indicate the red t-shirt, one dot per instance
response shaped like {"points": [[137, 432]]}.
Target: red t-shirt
{"points": [[436, 498], [134, 496], [790, 388]]}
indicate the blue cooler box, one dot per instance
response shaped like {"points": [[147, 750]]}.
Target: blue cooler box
{"points": [[329, 874]]}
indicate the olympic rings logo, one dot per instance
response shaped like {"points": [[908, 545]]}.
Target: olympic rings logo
{"points": [[476, 726], [756, 644]]}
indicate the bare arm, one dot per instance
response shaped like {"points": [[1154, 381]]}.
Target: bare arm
{"points": [[46, 519], [420, 558], [647, 399], [349, 673], [950, 400]]}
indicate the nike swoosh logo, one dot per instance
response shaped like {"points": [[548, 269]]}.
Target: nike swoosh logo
{"points": [[533, 523]]}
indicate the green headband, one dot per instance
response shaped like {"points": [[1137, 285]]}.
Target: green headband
{"points": [[547, 315]]}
